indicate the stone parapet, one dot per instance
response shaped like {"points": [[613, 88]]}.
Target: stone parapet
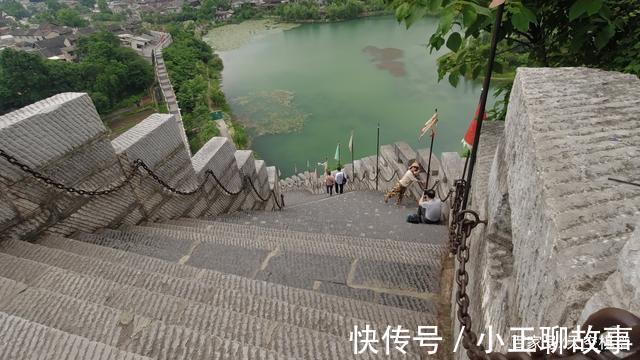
{"points": [[64, 139], [558, 242], [393, 162]]}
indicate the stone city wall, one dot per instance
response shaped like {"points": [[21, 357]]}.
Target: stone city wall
{"points": [[63, 138], [164, 82], [558, 244], [394, 161]]}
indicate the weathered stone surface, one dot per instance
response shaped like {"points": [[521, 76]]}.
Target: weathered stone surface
{"points": [[404, 153], [566, 132], [52, 344], [395, 276], [451, 167], [228, 258], [556, 224], [622, 288], [301, 270]]}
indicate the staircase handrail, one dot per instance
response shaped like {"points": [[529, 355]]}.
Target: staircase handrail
{"points": [[133, 172]]}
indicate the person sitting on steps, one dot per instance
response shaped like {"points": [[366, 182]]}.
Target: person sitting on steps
{"points": [[329, 181], [401, 186], [341, 179], [429, 209]]}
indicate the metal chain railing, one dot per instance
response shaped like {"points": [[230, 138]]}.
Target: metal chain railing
{"points": [[438, 194], [454, 236], [138, 164], [319, 184]]}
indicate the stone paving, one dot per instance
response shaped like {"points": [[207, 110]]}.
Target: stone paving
{"points": [[211, 289], [361, 213]]}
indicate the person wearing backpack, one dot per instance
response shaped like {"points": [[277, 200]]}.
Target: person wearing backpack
{"points": [[341, 180]]}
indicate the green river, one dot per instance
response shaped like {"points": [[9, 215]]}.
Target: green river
{"points": [[301, 91]]}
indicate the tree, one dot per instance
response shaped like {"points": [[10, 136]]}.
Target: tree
{"points": [[14, 8], [534, 33], [102, 6], [21, 78], [107, 71], [88, 3], [54, 5], [69, 17]]}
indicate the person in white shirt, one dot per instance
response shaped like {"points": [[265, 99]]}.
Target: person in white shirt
{"points": [[401, 186], [430, 208], [341, 179]]}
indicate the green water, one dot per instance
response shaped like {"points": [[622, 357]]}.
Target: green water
{"points": [[317, 81]]}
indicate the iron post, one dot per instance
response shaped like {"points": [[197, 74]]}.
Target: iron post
{"points": [[483, 103]]}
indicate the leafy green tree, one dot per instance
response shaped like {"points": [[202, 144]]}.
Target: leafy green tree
{"points": [[599, 33], [102, 6], [21, 78], [105, 70], [88, 3], [300, 10], [347, 9], [69, 17], [14, 8], [54, 5], [195, 73]]}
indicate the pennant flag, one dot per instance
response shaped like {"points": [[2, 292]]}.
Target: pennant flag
{"points": [[469, 136], [351, 143], [325, 165], [337, 155], [429, 125], [495, 3]]}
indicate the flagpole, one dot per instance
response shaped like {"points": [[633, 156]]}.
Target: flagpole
{"points": [[483, 102], [433, 135], [353, 167], [377, 156]]}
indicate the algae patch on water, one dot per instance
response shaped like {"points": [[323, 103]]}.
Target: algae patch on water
{"points": [[233, 36], [388, 59], [270, 112]]}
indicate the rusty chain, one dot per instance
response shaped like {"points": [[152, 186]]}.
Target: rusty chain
{"points": [[437, 190], [454, 235], [137, 164], [462, 226]]}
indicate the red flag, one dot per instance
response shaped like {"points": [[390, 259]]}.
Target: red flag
{"points": [[469, 136]]}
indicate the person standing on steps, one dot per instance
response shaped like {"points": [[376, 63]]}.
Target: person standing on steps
{"points": [[401, 186], [341, 179], [329, 181]]}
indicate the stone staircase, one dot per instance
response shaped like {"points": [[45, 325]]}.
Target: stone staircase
{"points": [[216, 289]]}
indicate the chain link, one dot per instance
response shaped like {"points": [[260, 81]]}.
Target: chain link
{"points": [[464, 227], [454, 235], [137, 164]]}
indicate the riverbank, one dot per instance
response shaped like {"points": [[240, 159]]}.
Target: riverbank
{"points": [[234, 36]]}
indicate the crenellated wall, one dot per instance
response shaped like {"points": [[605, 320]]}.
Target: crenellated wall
{"points": [[559, 232], [64, 139]]}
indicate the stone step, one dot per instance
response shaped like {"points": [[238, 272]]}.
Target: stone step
{"points": [[123, 329], [197, 291], [278, 337], [296, 265], [213, 227], [251, 287], [51, 344], [268, 242]]}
